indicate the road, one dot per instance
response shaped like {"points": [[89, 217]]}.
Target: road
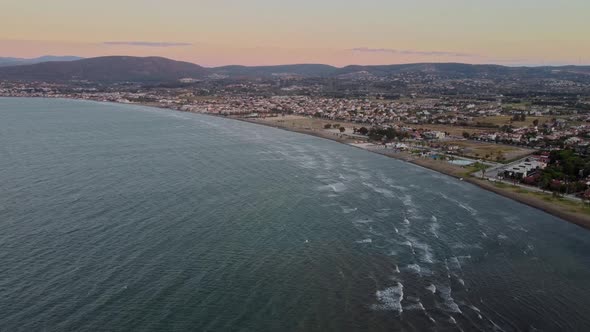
{"points": [[491, 175]]}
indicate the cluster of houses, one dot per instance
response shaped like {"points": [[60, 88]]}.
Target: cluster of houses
{"points": [[525, 168], [549, 135], [408, 114]]}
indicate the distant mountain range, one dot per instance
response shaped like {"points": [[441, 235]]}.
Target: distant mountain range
{"points": [[106, 69], [46, 58], [158, 69]]}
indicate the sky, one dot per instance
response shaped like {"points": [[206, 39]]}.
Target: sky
{"points": [[265, 32]]}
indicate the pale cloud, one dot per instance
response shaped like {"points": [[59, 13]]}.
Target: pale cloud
{"points": [[411, 52], [146, 44]]}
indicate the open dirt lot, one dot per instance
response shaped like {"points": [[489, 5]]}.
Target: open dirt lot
{"points": [[492, 151]]}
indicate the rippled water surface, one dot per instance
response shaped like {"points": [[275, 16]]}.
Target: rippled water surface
{"points": [[124, 217]]}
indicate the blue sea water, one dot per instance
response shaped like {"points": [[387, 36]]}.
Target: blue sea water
{"points": [[118, 217]]}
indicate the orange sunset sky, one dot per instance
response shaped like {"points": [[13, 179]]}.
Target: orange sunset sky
{"points": [[263, 32]]}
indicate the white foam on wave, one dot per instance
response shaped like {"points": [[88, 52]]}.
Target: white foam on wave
{"points": [[449, 302], [365, 241], [396, 269], [388, 181], [415, 306], [462, 205], [385, 192], [414, 268], [448, 269], [476, 310], [469, 209], [363, 221], [390, 298], [419, 270], [363, 175], [426, 255], [432, 288], [502, 237], [519, 228], [407, 201], [347, 210], [411, 208], [434, 226], [307, 162], [400, 188], [335, 187], [409, 244]]}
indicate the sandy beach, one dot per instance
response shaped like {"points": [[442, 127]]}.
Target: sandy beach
{"points": [[542, 202]]}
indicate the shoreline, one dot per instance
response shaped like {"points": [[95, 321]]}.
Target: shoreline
{"points": [[575, 218], [579, 219]]}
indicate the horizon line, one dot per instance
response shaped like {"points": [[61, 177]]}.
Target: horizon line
{"points": [[303, 63]]}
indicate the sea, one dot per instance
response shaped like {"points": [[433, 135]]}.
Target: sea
{"points": [[123, 217]]}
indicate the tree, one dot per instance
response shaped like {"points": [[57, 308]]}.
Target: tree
{"points": [[479, 167], [519, 117], [342, 129], [327, 126], [466, 135], [363, 131]]}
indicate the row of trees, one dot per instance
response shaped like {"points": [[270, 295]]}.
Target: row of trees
{"points": [[335, 126], [566, 173], [567, 164], [375, 133], [519, 118], [386, 134]]}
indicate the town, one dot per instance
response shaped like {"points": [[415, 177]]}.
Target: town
{"points": [[532, 135]]}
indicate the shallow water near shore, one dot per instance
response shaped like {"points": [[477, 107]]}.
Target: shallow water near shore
{"points": [[118, 217]]}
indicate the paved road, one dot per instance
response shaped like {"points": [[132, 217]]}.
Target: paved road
{"points": [[530, 188], [491, 175]]}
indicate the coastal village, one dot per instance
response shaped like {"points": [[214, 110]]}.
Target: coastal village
{"points": [[511, 142]]}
